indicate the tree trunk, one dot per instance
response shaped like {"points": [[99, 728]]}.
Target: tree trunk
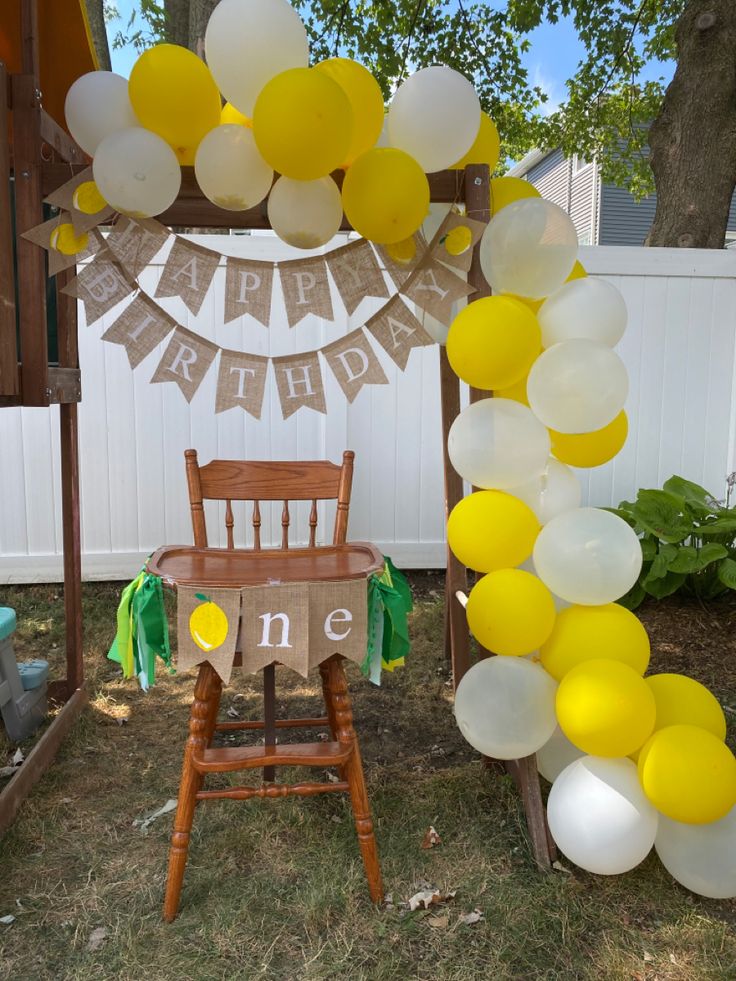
{"points": [[199, 14], [96, 18], [693, 140]]}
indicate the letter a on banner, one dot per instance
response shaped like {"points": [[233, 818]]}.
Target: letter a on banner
{"points": [[397, 330], [188, 273]]}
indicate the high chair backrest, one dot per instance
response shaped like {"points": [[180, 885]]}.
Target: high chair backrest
{"points": [[261, 480]]}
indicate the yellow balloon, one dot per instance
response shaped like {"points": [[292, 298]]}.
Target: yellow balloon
{"points": [[487, 146], [584, 633], [87, 198], [385, 195], [504, 190], [605, 708], [510, 612], [491, 530], [403, 252], [65, 240], [229, 115], [174, 95], [591, 449], [303, 124], [493, 342], [578, 272], [684, 701], [515, 392], [366, 101], [688, 774]]}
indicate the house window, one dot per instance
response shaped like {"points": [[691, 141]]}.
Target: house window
{"points": [[579, 163]]}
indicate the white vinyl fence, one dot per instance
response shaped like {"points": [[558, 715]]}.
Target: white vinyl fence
{"points": [[679, 350]]}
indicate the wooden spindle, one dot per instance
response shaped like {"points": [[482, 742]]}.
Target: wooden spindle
{"points": [[257, 525], [285, 520], [229, 523], [313, 524]]}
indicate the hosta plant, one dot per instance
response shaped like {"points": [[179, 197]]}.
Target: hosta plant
{"points": [[688, 542]]}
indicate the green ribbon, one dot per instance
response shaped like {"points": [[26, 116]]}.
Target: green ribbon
{"points": [[389, 603], [142, 630]]}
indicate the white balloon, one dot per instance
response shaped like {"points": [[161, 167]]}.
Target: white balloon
{"points": [[383, 139], [137, 172], [577, 386], [505, 707], [588, 556], [560, 604], [229, 169], [497, 443], [434, 116], [96, 105], [528, 248], [556, 754], [590, 308], [599, 816], [553, 492], [305, 214], [701, 857], [247, 42]]}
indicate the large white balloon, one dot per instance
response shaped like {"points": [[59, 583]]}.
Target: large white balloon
{"points": [[96, 105], [230, 170], [577, 386], [305, 214], [590, 308], [137, 172], [599, 816], [556, 754], [434, 114], [702, 857], [528, 248], [497, 443], [553, 492], [588, 556], [505, 707], [247, 42]]}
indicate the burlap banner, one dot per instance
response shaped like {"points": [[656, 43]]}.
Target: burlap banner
{"points": [[397, 330], [101, 285], [186, 361], [79, 196], [306, 289], [135, 242], [241, 381], [435, 288], [188, 273], [208, 621], [140, 328], [356, 274], [401, 260], [57, 236], [353, 363], [458, 237], [248, 288], [299, 382]]}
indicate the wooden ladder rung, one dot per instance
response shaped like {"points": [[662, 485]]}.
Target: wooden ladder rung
{"points": [[276, 790], [280, 724], [227, 758]]}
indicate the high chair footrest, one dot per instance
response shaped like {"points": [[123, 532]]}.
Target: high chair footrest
{"points": [[228, 758], [280, 724]]}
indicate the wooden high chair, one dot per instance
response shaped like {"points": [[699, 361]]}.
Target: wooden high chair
{"points": [[232, 480]]}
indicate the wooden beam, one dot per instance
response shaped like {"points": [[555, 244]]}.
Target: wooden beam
{"points": [[57, 138], [65, 385], [9, 382], [29, 35], [69, 439]]}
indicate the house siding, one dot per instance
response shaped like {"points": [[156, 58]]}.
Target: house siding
{"points": [[623, 219], [581, 203], [551, 177]]}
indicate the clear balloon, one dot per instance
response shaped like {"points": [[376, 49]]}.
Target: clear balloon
{"points": [[701, 857], [248, 42], [498, 444], [137, 172], [599, 816], [510, 612], [587, 308], [588, 556], [585, 633], [230, 170], [385, 195], [684, 701], [557, 753], [504, 707], [491, 530], [528, 249], [435, 117], [577, 386], [306, 214], [553, 492], [96, 105]]}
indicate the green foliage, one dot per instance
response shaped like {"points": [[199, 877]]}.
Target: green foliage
{"points": [[688, 542]]}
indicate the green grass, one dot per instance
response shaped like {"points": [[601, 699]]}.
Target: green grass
{"points": [[275, 889]]}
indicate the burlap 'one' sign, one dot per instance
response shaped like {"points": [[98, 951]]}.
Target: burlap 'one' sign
{"points": [[306, 289], [356, 274], [100, 286], [299, 382], [134, 242], [275, 626], [140, 328], [79, 196], [186, 361], [397, 330], [188, 273], [353, 363], [241, 381], [205, 633], [248, 287], [338, 620], [435, 288]]}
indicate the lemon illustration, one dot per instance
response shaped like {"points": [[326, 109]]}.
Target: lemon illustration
{"points": [[65, 240], [402, 252], [458, 240], [208, 624], [88, 199]]}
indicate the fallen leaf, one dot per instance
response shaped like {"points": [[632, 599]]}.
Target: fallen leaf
{"points": [[332, 777], [648, 957], [468, 919], [431, 838], [7, 920], [144, 823], [96, 938], [336, 819], [18, 757], [424, 899], [439, 922], [561, 868], [233, 713], [673, 959], [7, 771]]}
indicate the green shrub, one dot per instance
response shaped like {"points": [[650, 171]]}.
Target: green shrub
{"points": [[688, 542]]}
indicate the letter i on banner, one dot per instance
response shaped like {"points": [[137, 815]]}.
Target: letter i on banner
{"points": [[186, 361], [140, 328], [299, 382], [248, 286], [354, 364], [241, 381]]}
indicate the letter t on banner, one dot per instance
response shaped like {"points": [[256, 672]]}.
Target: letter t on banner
{"points": [[241, 381]]}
